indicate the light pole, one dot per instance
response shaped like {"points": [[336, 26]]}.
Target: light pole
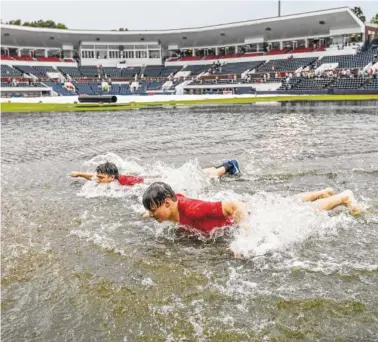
{"points": [[279, 8]]}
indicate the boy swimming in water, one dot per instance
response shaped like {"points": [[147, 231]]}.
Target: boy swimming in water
{"points": [[108, 172], [204, 217]]}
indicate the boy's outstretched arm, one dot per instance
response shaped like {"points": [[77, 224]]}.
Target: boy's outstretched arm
{"points": [[85, 175], [238, 211]]}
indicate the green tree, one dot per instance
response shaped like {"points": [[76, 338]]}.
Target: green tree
{"points": [[39, 23], [15, 22], [358, 12], [61, 26], [374, 20]]}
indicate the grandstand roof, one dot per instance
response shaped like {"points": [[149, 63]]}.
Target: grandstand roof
{"points": [[277, 28]]}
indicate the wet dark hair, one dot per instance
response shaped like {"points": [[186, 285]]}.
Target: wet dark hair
{"points": [[156, 194], [108, 168]]}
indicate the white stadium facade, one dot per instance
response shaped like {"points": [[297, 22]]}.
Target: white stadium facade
{"points": [[300, 52]]}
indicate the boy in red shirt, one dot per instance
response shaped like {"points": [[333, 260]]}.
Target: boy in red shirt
{"points": [[108, 172], [163, 204]]}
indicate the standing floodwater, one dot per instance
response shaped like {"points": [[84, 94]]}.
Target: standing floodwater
{"points": [[79, 264]]}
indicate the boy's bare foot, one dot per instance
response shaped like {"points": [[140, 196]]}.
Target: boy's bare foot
{"points": [[327, 192], [351, 203]]}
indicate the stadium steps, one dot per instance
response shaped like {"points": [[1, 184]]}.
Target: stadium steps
{"points": [[142, 70]]}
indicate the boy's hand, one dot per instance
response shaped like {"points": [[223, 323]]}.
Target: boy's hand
{"points": [[74, 174]]}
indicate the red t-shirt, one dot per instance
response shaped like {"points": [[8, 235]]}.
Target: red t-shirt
{"points": [[201, 215], [129, 180]]}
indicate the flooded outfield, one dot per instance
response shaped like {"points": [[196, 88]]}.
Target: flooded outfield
{"points": [[79, 264]]}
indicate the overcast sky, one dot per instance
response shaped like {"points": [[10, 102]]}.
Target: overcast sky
{"points": [[151, 15]]}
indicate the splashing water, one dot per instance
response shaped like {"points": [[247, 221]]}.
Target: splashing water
{"points": [[277, 223], [188, 177]]}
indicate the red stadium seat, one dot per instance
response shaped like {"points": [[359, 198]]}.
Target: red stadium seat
{"points": [[23, 58], [302, 49], [6, 57], [48, 59]]}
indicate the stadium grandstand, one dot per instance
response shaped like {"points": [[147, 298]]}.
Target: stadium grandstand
{"points": [[328, 51]]}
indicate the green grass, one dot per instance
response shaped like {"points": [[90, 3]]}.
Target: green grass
{"points": [[50, 107]]}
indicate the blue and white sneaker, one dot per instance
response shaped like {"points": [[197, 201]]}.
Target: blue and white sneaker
{"points": [[232, 167]]}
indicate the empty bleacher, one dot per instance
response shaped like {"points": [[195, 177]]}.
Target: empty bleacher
{"points": [[348, 83], [289, 64], [312, 83], [86, 88], [130, 72], [196, 69], [155, 85], [278, 51], [23, 58], [238, 68], [71, 71], [371, 84], [89, 71], [191, 58], [302, 49], [48, 59], [7, 71], [169, 70], [348, 61], [152, 70], [26, 69], [45, 69], [6, 58], [112, 72]]}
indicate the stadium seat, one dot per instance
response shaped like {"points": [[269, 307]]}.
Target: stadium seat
{"points": [[130, 72], [238, 68], [6, 58], [348, 83], [48, 59], [7, 71], [358, 60], [89, 71], [278, 51], [291, 64], [26, 69], [312, 83], [191, 58], [112, 72], [71, 71], [152, 70], [196, 69], [302, 49], [23, 58]]}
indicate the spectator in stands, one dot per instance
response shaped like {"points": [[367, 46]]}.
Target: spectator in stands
{"points": [[108, 172]]}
